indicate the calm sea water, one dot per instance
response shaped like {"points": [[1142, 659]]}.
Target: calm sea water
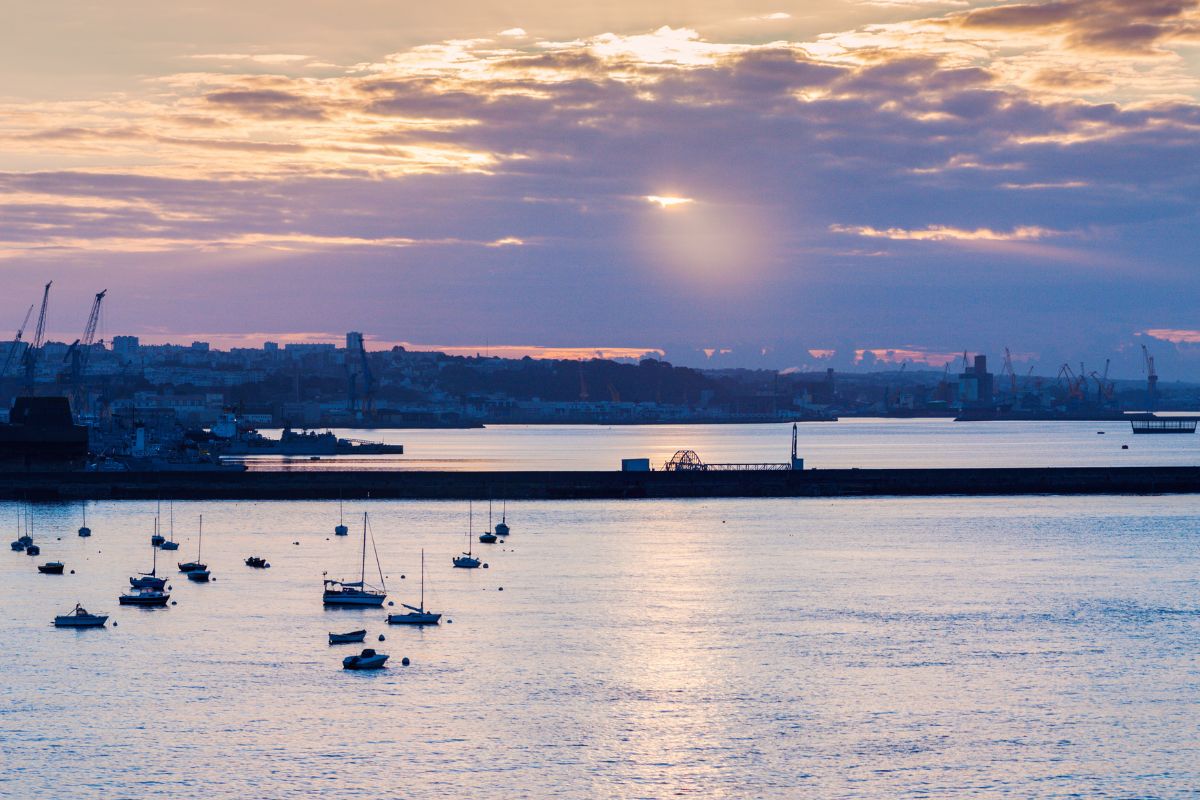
{"points": [[933, 647], [823, 445]]}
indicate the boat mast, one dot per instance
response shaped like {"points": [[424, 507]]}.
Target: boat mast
{"points": [[422, 581], [363, 575], [200, 542]]}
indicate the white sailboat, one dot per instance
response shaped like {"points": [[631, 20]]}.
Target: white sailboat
{"points": [[357, 593], [417, 615], [467, 560]]}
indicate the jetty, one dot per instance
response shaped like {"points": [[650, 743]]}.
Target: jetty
{"points": [[609, 485]]}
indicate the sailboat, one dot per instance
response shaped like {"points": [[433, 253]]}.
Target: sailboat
{"points": [[357, 593], [197, 570], [149, 580], [84, 530], [31, 549], [340, 529], [417, 615], [487, 537], [466, 560], [502, 525], [23, 539], [170, 544]]}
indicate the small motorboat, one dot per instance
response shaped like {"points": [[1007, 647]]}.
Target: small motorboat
{"points": [[80, 618], [257, 562], [347, 638], [417, 614], [367, 659], [169, 545], [51, 568], [85, 531], [33, 550], [145, 597], [199, 575]]}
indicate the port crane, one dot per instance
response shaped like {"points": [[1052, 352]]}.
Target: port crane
{"points": [[80, 352], [1151, 379], [31, 352], [16, 343], [1010, 372], [357, 352]]}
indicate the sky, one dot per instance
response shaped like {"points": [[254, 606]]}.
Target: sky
{"points": [[791, 185]]}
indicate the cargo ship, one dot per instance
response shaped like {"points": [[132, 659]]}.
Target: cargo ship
{"points": [[229, 438]]}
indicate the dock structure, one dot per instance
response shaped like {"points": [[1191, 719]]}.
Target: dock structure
{"points": [[530, 485], [1151, 423]]}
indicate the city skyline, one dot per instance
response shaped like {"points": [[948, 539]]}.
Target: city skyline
{"points": [[731, 185]]}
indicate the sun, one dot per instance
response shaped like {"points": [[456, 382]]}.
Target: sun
{"points": [[666, 201]]}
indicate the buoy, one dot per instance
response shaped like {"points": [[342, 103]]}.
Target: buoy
{"points": [[449, 622], [60, 538], [381, 638], [501, 589], [295, 543], [405, 661], [1124, 447], [114, 624], [174, 602], [72, 572], [391, 603], [401, 577], [266, 566], [485, 566]]}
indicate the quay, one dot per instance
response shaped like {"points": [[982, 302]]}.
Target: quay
{"points": [[564, 485]]}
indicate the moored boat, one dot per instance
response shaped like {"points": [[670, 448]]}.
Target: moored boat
{"points": [[417, 615], [145, 597], [80, 618], [197, 565], [257, 562], [367, 659], [467, 560], [347, 638], [149, 580], [51, 568], [356, 593]]}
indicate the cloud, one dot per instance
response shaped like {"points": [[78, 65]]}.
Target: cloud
{"points": [[942, 233], [1122, 26], [421, 174], [1174, 335]]}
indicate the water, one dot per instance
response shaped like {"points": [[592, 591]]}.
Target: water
{"points": [[931, 647], [823, 445]]}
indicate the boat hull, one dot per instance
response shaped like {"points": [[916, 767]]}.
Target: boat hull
{"points": [[359, 662], [50, 569], [148, 583], [413, 619], [137, 600], [80, 622], [354, 601], [354, 637], [198, 576]]}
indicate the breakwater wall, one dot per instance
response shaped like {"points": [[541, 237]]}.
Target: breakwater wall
{"points": [[595, 485]]}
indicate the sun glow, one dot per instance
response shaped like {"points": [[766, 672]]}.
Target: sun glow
{"points": [[664, 201]]}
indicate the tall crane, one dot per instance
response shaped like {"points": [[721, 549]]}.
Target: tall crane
{"points": [[31, 352], [1012, 375], [80, 352], [12, 351], [1151, 379]]}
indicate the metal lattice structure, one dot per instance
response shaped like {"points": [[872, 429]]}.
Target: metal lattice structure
{"points": [[685, 461]]}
